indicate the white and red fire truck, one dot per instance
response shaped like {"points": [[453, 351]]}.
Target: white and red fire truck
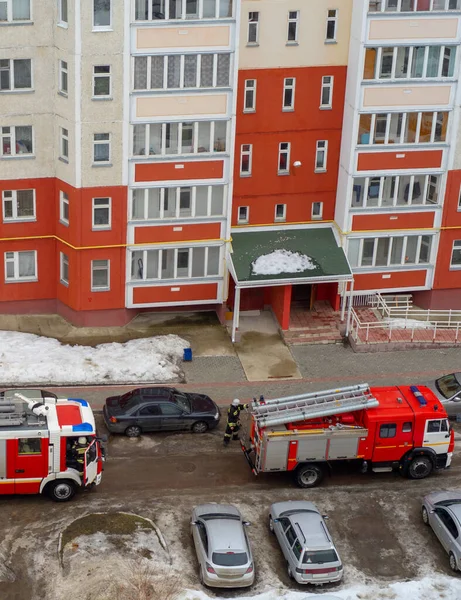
{"points": [[37, 447], [383, 428]]}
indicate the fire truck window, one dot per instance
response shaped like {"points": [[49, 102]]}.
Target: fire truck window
{"points": [[388, 430], [407, 427], [433, 426], [291, 536], [29, 446], [444, 426], [297, 549]]}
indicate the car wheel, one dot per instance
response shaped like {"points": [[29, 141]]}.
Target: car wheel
{"points": [[200, 427], [271, 524], [308, 476], [289, 571], [133, 431], [201, 577], [61, 490], [425, 515], [420, 467], [452, 561]]}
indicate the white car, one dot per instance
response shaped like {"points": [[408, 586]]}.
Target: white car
{"points": [[222, 546]]}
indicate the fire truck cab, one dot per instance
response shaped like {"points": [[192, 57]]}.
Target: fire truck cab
{"points": [[38, 447], [401, 428]]}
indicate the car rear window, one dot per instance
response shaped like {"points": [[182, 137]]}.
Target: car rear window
{"points": [[230, 559], [448, 386], [318, 557]]}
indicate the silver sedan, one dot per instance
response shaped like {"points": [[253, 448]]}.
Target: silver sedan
{"points": [[222, 546], [442, 511], [448, 391]]}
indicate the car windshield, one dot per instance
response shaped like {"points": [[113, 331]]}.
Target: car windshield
{"points": [[319, 557], [211, 516], [288, 513], [230, 559], [182, 401], [448, 386], [448, 502]]}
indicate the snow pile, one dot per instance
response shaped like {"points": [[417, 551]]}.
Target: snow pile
{"points": [[408, 323], [429, 588], [282, 261], [27, 359]]}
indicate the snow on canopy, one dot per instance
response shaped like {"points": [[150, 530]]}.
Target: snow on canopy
{"points": [[282, 261]]}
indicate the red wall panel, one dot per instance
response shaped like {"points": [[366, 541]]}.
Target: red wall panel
{"points": [[414, 220], [281, 304], [416, 159], [398, 279], [204, 291], [204, 231], [210, 169]]}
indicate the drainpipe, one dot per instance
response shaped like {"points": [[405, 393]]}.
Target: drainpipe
{"points": [[349, 308], [236, 315], [343, 303]]}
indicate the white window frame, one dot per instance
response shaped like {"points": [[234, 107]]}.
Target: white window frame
{"points": [[242, 221], [107, 205], [165, 9], [103, 27], [331, 19], [63, 202], [253, 25], [385, 181], [11, 71], [383, 4], [105, 142], [289, 86], [321, 150], [327, 86], [287, 151], [403, 264], [162, 257], [96, 76], [12, 136], [14, 202], [15, 260], [9, 13], [295, 20], [64, 144], [283, 218], [456, 246], [100, 268], [63, 262], [249, 88], [246, 150], [63, 73], [387, 119], [61, 13], [319, 216]]}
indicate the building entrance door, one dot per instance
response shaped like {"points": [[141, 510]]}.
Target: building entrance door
{"points": [[302, 296]]}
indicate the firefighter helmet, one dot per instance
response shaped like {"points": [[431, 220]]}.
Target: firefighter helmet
{"points": [[235, 402], [81, 441]]}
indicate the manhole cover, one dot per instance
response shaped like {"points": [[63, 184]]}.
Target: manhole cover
{"points": [[187, 467]]}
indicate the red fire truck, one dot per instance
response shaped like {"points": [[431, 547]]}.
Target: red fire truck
{"points": [[383, 429], [38, 441]]}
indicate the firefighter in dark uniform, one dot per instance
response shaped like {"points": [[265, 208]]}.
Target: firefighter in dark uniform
{"points": [[79, 453], [233, 418]]}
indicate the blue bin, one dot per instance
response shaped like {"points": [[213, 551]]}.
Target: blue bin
{"points": [[187, 354]]}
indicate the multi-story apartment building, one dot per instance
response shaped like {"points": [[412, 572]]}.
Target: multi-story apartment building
{"points": [[152, 150]]}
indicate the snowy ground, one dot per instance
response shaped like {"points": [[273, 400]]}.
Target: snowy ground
{"points": [[27, 359], [408, 323]]}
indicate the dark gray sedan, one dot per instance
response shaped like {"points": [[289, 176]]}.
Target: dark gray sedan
{"points": [[159, 409], [442, 511]]}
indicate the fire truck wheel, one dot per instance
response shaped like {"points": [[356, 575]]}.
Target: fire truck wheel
{"points": [[452, 559], [308, 476], [61, 490], [200, 427], [133, 431], [420, 467]]}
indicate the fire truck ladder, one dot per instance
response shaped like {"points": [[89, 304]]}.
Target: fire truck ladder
{"points": [[313, 405]]}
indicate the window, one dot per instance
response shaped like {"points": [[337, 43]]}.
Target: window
{"points": [[390, 251], [101, 81], [15, 74], [63, 85], [291, 536], [456, 255], [292, 34], [249, 103], [407, 427], [64, 208], [413, 5], [246, 156], [29, 446], [101, 147], [433, 426], [16, 141], [21, 266], [332, 21], [101, 14], [317, 210], [64, 144], [409, 62], [280, 212], [253, 27], [63, 268], [18, 205], [403, 128], [62, 13], [326, 94], [14, 10], [175, 263], [100, 278], [180, 138], [288, 102], [177, 202], [395, 190], [148, 10], [388, 431], [321, 154], [101, 213], [284, 158], [243, 214]]}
